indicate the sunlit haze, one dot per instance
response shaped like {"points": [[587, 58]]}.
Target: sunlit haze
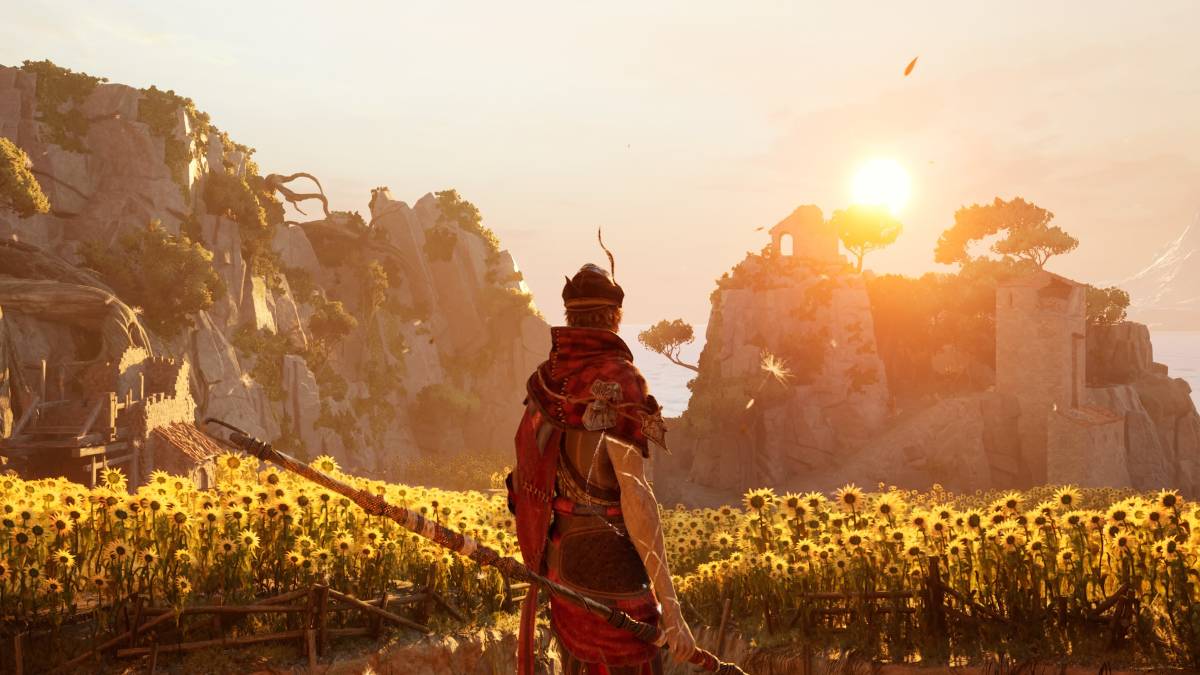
{"points": [[882, 182], [681, 127]]}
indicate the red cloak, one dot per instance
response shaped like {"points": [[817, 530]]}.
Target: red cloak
{"points": [[560, 393]]}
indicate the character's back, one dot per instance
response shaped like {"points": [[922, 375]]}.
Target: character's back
{"points": [[567, 496]]}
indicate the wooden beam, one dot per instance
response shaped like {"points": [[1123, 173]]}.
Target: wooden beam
{"points": [[79, 660], [89, 451], [26, 415], [372, 609], [54, 444], [286, 597], [205, 644], [91, 418], [119, 459], [228, 609]]}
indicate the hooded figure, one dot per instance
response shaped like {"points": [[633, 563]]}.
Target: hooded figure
{"points": [[586, 516]]}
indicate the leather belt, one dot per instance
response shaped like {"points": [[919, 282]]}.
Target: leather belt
{"points": [[566, 506]]}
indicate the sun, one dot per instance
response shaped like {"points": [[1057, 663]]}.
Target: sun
{"points": [[882, 182]]}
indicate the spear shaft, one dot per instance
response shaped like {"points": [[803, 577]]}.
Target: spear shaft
{"points": [[467, 546]]}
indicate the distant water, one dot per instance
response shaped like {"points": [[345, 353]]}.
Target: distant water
{"points": [[668, 382], [1179, 350]]}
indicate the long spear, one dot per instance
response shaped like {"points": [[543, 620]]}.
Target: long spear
{"points": [[465, 545]]}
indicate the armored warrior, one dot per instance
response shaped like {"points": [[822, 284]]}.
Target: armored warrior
{"points": [[586, 515]]}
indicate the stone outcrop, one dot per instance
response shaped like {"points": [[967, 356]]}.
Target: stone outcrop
{"points": [[302, 401], [459, 322], [964, 444], [1162, 427], [225, 390], [121, 179], [751, 424], [1072, 402], [1119, 354]]}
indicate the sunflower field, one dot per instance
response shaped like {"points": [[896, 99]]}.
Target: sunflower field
{"points": [[66, 549], [1049, 574], [888, 575]]}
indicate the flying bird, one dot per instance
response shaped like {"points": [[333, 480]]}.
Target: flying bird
{"points": [[911, 64], [760, 228]]}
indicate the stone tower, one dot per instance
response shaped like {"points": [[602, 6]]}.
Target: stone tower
{"points": [[806, 234], [1040, 356]]}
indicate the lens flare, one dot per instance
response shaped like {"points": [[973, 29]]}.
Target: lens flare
{"points": [[882, 182]]}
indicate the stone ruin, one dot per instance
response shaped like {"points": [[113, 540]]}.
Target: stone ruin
{"points": [[806, 234], [791, 305], [1084, 417], [1071, 402], [78, 418]]}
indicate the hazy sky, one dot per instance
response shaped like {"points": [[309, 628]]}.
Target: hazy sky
{"points": [[682, 126]]}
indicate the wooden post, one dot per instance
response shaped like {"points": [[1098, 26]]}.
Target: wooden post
{"points": [[507, 603], [19, 651], [767, 612], [322, 618], [154, 657], [135, 465], [217, 626], [721, 629], [377, 620], [309, 621], [936, 606], [137, 620], [1116, 624], [427, 606], [310, 641], [110, 415]]}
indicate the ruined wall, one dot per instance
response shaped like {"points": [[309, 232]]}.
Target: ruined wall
{"points": [[811, 236], [1040, 356], [1086, 448]]}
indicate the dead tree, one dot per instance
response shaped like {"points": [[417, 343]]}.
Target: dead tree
{"points": [[277, 183]]}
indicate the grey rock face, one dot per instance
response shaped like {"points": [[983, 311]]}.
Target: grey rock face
{"points": [[302, 400], [455, 323], [815, 319]]}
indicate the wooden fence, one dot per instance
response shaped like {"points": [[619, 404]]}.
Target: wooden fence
{"points": [[152, 632], [938, 609]]}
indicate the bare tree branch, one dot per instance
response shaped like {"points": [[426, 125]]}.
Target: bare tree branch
{"points": [[276, 183]]}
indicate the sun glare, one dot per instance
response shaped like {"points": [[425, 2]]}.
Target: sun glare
{"points": [[882, 182]]}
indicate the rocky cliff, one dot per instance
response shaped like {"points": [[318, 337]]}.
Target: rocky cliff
{"points": [[790, 380], [1162, 427], [792, 390], [376, 341]]}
